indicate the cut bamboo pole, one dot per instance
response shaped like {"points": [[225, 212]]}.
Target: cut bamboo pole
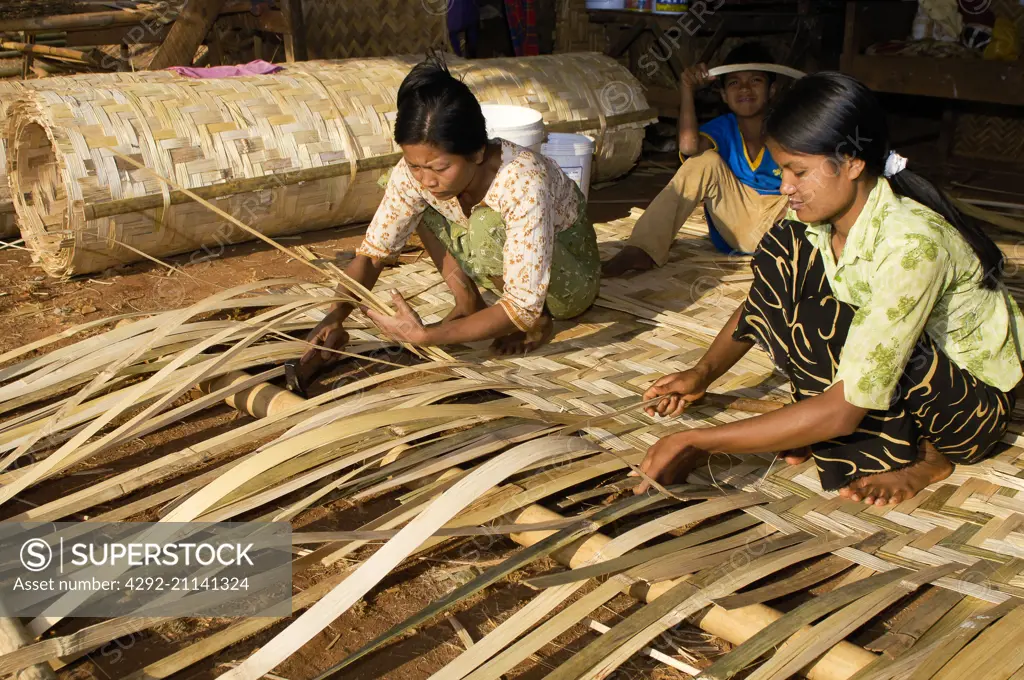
{"points": [[261, 398], [735, 626], [13, 636], [48, 51]]}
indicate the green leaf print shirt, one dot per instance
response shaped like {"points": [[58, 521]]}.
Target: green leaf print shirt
{"points": [[908, 271]]}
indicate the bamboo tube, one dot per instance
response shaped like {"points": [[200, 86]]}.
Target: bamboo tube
{"points": [[264, 399], [737, 625], [14, 636], [48, 51]]}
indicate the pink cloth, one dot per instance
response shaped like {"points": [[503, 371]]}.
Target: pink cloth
{"points": [[253, 68]]}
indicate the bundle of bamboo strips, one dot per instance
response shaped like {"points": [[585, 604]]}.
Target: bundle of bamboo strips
{"points": [[312, 443], [743, 527], [373, 435], [292, 152]]}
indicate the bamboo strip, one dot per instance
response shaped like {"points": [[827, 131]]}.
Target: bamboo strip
{"points": [[388, 557], [711, 621], [540, 549], [802, 649], [672, 567], [68, 451], [137, 391], [13, 638], [651, 652], [924, 660], [638, 630], [822, 571], [529, 616], [291, 511], [789, 625], [701, 540], [306, 537], [274, 488]]}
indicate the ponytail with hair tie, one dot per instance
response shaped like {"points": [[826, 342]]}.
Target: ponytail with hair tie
{"points": [[827, 111]]}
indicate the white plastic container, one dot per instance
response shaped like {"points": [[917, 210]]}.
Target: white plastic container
{"points": [[606, 4], [517, 124], [574, 154]]}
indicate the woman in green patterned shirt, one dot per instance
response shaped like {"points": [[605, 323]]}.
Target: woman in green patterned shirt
{"points": [[878, 299]]}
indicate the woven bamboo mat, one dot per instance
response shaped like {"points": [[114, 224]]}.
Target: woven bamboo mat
{"points": [[11, 89], [659, 322], [963, 536]]}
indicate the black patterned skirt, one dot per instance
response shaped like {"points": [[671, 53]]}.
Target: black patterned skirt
{"points": [[791, 313]]}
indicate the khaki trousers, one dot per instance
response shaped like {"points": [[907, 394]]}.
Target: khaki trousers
{"points": [[741, 215]]}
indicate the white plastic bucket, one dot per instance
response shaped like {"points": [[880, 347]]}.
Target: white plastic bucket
{"points": [[517, 124], [606, 4], [574, 154]]}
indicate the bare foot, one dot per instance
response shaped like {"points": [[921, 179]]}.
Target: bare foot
{"points": [[797, 456], [521, 343], [891, 488], [628, 259], [464, 308]]}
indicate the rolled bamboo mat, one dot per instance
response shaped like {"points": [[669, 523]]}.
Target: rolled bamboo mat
{"points": [[10, 90], [296, 151]]}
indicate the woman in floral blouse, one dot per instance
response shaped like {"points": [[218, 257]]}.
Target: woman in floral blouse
{"points": [[881, 303], [489, 212]]}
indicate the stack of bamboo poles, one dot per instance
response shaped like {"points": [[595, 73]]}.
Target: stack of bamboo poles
{"points": [[291, 152]]}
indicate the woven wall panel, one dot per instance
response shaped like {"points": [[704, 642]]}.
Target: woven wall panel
{"points": [[345, 29], [573, 30], [990, 137]]}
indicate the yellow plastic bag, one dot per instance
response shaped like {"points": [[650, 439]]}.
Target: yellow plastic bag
{"points": [[1004, 41]]}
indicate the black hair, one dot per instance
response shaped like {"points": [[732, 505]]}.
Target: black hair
{"points": [[436, 108], [833, 114], [751, 52]]}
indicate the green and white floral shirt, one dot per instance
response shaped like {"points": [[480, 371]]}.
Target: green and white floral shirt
{"points": [[908, 271]]}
